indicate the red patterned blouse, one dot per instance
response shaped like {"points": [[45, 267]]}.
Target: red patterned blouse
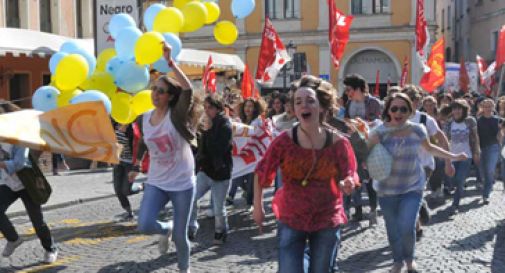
{"points": [[318, 204]]}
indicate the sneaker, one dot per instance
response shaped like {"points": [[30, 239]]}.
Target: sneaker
{"points": [[219, 238], [164, 241], [11, 246], [50, 256], [128, 217], [485, 201], [373, 218]]}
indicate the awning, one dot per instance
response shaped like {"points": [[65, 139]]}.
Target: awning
{"points": [[24, 41]]}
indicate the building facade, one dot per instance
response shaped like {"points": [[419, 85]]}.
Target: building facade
{"points": [[382, 36], [470, 27]]}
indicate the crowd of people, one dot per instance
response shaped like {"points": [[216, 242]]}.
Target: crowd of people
{"points": [[317, 162]]}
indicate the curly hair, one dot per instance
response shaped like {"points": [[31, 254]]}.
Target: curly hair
{"points": [[325, 93], [259, 109]]}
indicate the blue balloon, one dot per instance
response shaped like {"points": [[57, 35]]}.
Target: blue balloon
{"points": [[125, 42], [113, 66], [132, 77], [118, 22], [161, 66], [93, 95], [242, 8], [45, 97], [69, 47], [55, 59], [175, 42], [150, 14]]}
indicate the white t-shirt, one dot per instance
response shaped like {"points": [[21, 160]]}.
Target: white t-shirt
{"points": [[460, 138], [172, 165], [427, 160], [11, 181]]}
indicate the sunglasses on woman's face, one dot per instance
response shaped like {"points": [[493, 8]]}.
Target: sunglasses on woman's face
{"points": [[402, 109], [159, 90]]}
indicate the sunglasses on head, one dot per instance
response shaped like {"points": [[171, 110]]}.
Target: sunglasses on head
{"points": [[402, 109], [159, 90]]}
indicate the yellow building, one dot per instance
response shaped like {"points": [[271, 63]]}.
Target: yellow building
{"points": [[382, 35]]}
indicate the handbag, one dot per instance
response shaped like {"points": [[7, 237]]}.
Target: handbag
{"points": [[379, 162], [35, 182]]}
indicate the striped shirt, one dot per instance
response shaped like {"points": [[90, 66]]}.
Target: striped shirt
{"points": [[126, 153], [407, 173]]}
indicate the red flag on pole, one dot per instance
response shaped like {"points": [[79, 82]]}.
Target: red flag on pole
{"points": [[436, 77], [422, 35], [464, 80], [500, 48], [338, 32], [206, 83], [486, 74], [248, 85], [405, 71], [376, 91], [273, 55]]}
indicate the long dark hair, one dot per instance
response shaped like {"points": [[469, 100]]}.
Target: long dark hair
{"points": [[389, 100], [259, 109]]}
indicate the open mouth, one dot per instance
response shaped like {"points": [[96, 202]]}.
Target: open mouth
{"points": [[306, 115], [398, 119]]}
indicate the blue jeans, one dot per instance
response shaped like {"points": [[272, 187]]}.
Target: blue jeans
{"points": [[462, 169], [153, 202], [218, 191], [400, 214], [488, 160], [321, 250]]}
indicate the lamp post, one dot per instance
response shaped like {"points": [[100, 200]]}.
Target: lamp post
{"points": [[291, 49]]}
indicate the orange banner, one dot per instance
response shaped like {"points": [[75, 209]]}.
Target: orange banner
{"points": [[436, 77], [82, 130]]}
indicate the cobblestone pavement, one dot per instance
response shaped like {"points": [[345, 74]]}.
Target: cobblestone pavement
{"points": [[92, 240]]}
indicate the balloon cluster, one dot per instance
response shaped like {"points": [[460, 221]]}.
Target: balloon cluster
{"points": [[120, 75]]}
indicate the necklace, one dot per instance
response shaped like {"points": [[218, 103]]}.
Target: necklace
{"points": [[305, 182]]}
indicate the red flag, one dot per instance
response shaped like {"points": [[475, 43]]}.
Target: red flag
{"points": [[273, 55], [206, 77], [500, 48], [464, 80], [211, 82], [422, 35], [248, 85], [436, 77], [405, 71], [486, 74], [338, 34], [376, 91]]}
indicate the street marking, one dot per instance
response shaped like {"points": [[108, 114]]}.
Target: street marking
{"points": [[71, 221], [137, 239], [43, 267], [83, 241]]}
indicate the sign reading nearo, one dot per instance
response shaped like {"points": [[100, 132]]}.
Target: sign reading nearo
{"points": [[104, 10]]}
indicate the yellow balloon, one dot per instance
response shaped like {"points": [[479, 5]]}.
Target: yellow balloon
{"points": [[142, 102], [148, 48], [225, 32], [180, 3], [121, 111], [64, 97], [213, 12], [71, 71], [195, 16], [101, 81], [103, 58], [168, 20]]}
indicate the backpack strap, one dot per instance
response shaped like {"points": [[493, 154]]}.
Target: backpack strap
{"points": [[295, 135], [423, 119], [329, 138]]}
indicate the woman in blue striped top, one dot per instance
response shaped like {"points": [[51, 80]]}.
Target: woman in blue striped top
{"points": [[400, 194]]}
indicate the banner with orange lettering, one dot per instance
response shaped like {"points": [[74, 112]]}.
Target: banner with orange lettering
{"points": [[82, 130], [436, 77]]}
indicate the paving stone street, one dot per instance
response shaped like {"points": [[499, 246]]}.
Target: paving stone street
{"points": [[91, 239]]}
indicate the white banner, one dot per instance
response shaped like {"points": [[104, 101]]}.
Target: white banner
{"points": [[249, 146], [452, 76], [104, 10]]}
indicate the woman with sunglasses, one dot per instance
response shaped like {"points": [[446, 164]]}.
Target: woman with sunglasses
{"points": [[400, 194], [317, 165], [168, 133]]}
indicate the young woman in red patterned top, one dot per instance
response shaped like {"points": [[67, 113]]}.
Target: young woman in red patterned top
{"points": [[317, 165]]}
